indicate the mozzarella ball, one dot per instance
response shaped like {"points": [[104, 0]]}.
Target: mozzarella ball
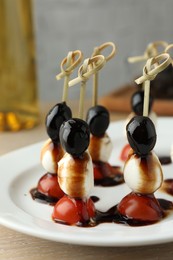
{"points": [[50, 155], [75, 175], [100, 148], [143, 175]]}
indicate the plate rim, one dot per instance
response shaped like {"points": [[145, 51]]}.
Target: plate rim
{"points": [[5, 218]]}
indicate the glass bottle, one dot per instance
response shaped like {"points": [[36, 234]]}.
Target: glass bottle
{"points": [[18, 86]]}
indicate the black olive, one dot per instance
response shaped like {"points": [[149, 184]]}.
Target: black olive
{"points": [[137, 101], [98, 120], [141, 134], [74, 136], [54, 119], [162, 86]]}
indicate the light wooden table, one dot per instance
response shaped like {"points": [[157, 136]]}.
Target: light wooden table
{"points": [[14, 245]]}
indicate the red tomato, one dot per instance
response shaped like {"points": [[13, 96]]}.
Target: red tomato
{"points": [[125, 152], [97, 173], [140, 207], [48, 185], [111, 171], [73, 211], [104, 169]]}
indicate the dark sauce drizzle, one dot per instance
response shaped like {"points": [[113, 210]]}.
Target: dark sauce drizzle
{"points": [[167, 186], [164, 160], [95, 199], [112, 216], [42, 198], [115, 179], [109, 182]]}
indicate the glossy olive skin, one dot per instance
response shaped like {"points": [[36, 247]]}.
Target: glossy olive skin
{"points": [[162, 86], [98, 120], [74, 136], [54, 119], [141, 135], [137, 101]]}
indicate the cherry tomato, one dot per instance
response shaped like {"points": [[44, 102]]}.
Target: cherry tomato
{"points": [[140, 207], [48, 185], [97, 173], [168, 186], [104, 170], [125, 152], [111, 171], [73, 211]]}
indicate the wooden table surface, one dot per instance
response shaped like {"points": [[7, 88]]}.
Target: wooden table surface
{"points": [[14, 245]]}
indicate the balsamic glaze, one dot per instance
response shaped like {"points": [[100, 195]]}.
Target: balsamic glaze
{"points": [[95, 199], [113, 216], [166, 204], [110, 216], [164, 160], [167, 186], [109, 182], [109, 179], [40, 197]]}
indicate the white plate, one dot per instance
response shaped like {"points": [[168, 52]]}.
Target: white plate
{"points": [[20, 171]]}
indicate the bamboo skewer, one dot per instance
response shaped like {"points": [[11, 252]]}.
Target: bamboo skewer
{"points": [[82, 89], [71, 61], [167, 49], [97, 51], [151, 51], [159, 63], [67, 77], [88, 68]]}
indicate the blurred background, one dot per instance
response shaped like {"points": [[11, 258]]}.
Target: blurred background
{"points": [[64, 25], [36, 35]]}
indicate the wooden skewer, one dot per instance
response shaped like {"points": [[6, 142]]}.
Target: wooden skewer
{"points": [[146, 98], [67, 77], [159, 63], [99, 61], [89, 67], [97, 51], [71, 61], [82, 90], [151, 51], [168, 48]]}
